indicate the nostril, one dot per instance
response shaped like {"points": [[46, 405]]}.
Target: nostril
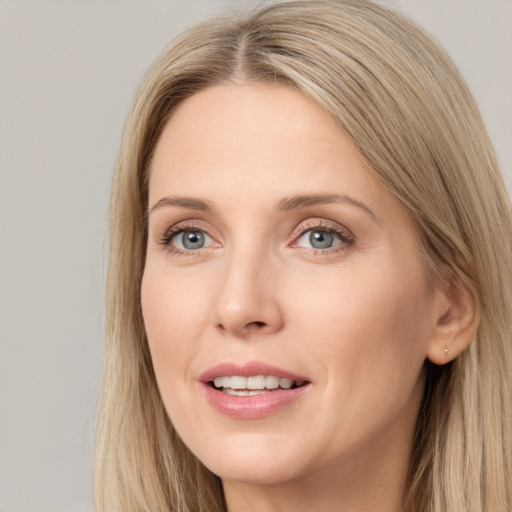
{"points": [[255, 326]]}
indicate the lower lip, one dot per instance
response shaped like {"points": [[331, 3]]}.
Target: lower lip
{"points": [[251, 407]]}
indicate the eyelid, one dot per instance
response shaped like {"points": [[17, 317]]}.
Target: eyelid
{"points": [[188, 225], [323, 224], [344, 235]]}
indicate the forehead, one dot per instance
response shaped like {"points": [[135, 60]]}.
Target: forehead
{"points": [[260, 138]]}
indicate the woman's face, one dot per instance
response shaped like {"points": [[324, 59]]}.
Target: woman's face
{"points": [[275, 259]]}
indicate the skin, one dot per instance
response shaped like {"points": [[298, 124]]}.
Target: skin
{"points": [[357, 319]]}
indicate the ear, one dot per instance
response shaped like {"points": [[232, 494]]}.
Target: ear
{"points": [[457, 319]]}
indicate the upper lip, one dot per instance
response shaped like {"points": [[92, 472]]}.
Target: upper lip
{"points": [[248, 369]]}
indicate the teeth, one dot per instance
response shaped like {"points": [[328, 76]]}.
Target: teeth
{"points": [[238, 382], [285, 383], [252, 383], [258, 382], [271, 382]]}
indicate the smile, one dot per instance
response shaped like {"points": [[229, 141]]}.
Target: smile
{"points": [[252, 389], [238, 385]]}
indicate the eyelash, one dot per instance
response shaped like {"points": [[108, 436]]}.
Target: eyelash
{"points": [[344, 235], [174, 231]]}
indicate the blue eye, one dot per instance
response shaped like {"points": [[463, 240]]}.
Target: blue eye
{"points": [[190, 240], [321, 239]]}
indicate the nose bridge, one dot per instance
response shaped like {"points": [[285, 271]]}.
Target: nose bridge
{"points": [[246, 300]]}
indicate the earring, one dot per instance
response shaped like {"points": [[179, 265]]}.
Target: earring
{"points": [[445, 352]]}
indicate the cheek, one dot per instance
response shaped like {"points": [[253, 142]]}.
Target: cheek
{"points": [[175, 315], [368, 325], [367, 339]]}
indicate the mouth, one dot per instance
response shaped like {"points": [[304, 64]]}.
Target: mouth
{"points": [[253, 389], [237, 385]]}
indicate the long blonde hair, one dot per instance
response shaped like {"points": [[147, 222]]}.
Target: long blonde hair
{"points": [[400, 99]]}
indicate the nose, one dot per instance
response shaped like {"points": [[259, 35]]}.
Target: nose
{"points": [[247, 301]]}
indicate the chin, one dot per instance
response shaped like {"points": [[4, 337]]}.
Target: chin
{"points": [[253, 462], [254, 473]]}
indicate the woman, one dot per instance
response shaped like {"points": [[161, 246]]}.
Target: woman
{"points": [[309, 286]]}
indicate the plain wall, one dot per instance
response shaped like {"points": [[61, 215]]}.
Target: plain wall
{"points": [[68, 70]]}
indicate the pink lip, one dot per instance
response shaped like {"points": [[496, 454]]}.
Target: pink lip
{"points": [[250, 407]]}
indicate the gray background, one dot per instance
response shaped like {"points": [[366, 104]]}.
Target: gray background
{"points": [[68, 72]]}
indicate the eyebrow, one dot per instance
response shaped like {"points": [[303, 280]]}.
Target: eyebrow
{"points": [[286, 204], [184, 202], [303, 201]]}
